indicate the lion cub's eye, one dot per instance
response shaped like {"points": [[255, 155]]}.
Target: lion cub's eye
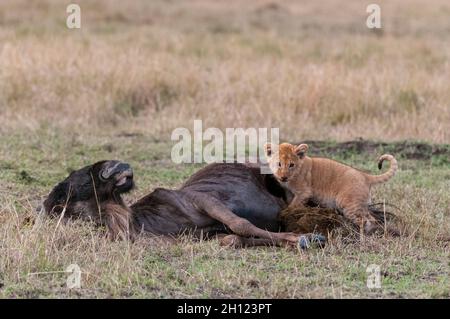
{"points": [[291, 165], [279, 164]]}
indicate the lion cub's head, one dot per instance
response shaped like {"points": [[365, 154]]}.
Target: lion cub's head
{"points": [[285, 160]]}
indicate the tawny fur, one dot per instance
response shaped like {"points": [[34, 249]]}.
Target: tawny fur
{"points": [[327, 182]]}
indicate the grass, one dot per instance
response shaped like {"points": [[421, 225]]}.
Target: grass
{"points": [[186, 268], [136, 70]]}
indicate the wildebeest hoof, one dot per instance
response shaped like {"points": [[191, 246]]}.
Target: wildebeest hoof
{"points": [[311, 241]]}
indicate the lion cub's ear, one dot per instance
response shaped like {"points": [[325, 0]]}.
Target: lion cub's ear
{"points": [[301, 150], [268, 149]]}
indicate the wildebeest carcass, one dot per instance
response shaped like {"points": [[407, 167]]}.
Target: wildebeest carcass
{"points": [[231, 199]]}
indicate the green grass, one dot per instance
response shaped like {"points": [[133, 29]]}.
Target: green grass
{"points": [[185, 268]]}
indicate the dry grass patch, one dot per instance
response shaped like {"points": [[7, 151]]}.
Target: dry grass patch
{"points": [[299, 66]]}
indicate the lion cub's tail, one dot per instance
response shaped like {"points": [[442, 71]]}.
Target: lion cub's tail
{"points": [[376, 179]]}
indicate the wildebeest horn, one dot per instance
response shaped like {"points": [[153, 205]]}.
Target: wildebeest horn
{"points": [[115, 167]]}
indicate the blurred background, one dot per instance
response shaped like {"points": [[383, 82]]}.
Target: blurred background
{"points": [[311, 68]]}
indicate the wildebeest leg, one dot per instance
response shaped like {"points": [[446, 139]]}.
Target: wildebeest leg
{"points": [[238, 225], [237, 241]]}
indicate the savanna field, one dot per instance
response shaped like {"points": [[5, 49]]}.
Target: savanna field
{"points": [[136, 70]]}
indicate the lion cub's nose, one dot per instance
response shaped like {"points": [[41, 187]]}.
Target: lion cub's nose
{"points": [[284, 179]]}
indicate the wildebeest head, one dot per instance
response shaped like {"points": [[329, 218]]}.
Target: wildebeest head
{"points": [[86, 192]]}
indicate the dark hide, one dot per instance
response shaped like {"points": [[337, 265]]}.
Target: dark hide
{"points": [[94, 193], [220, 198], [240, 188]]}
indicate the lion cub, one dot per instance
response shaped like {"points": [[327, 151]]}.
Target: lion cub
{"points": [[327, 182]]}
